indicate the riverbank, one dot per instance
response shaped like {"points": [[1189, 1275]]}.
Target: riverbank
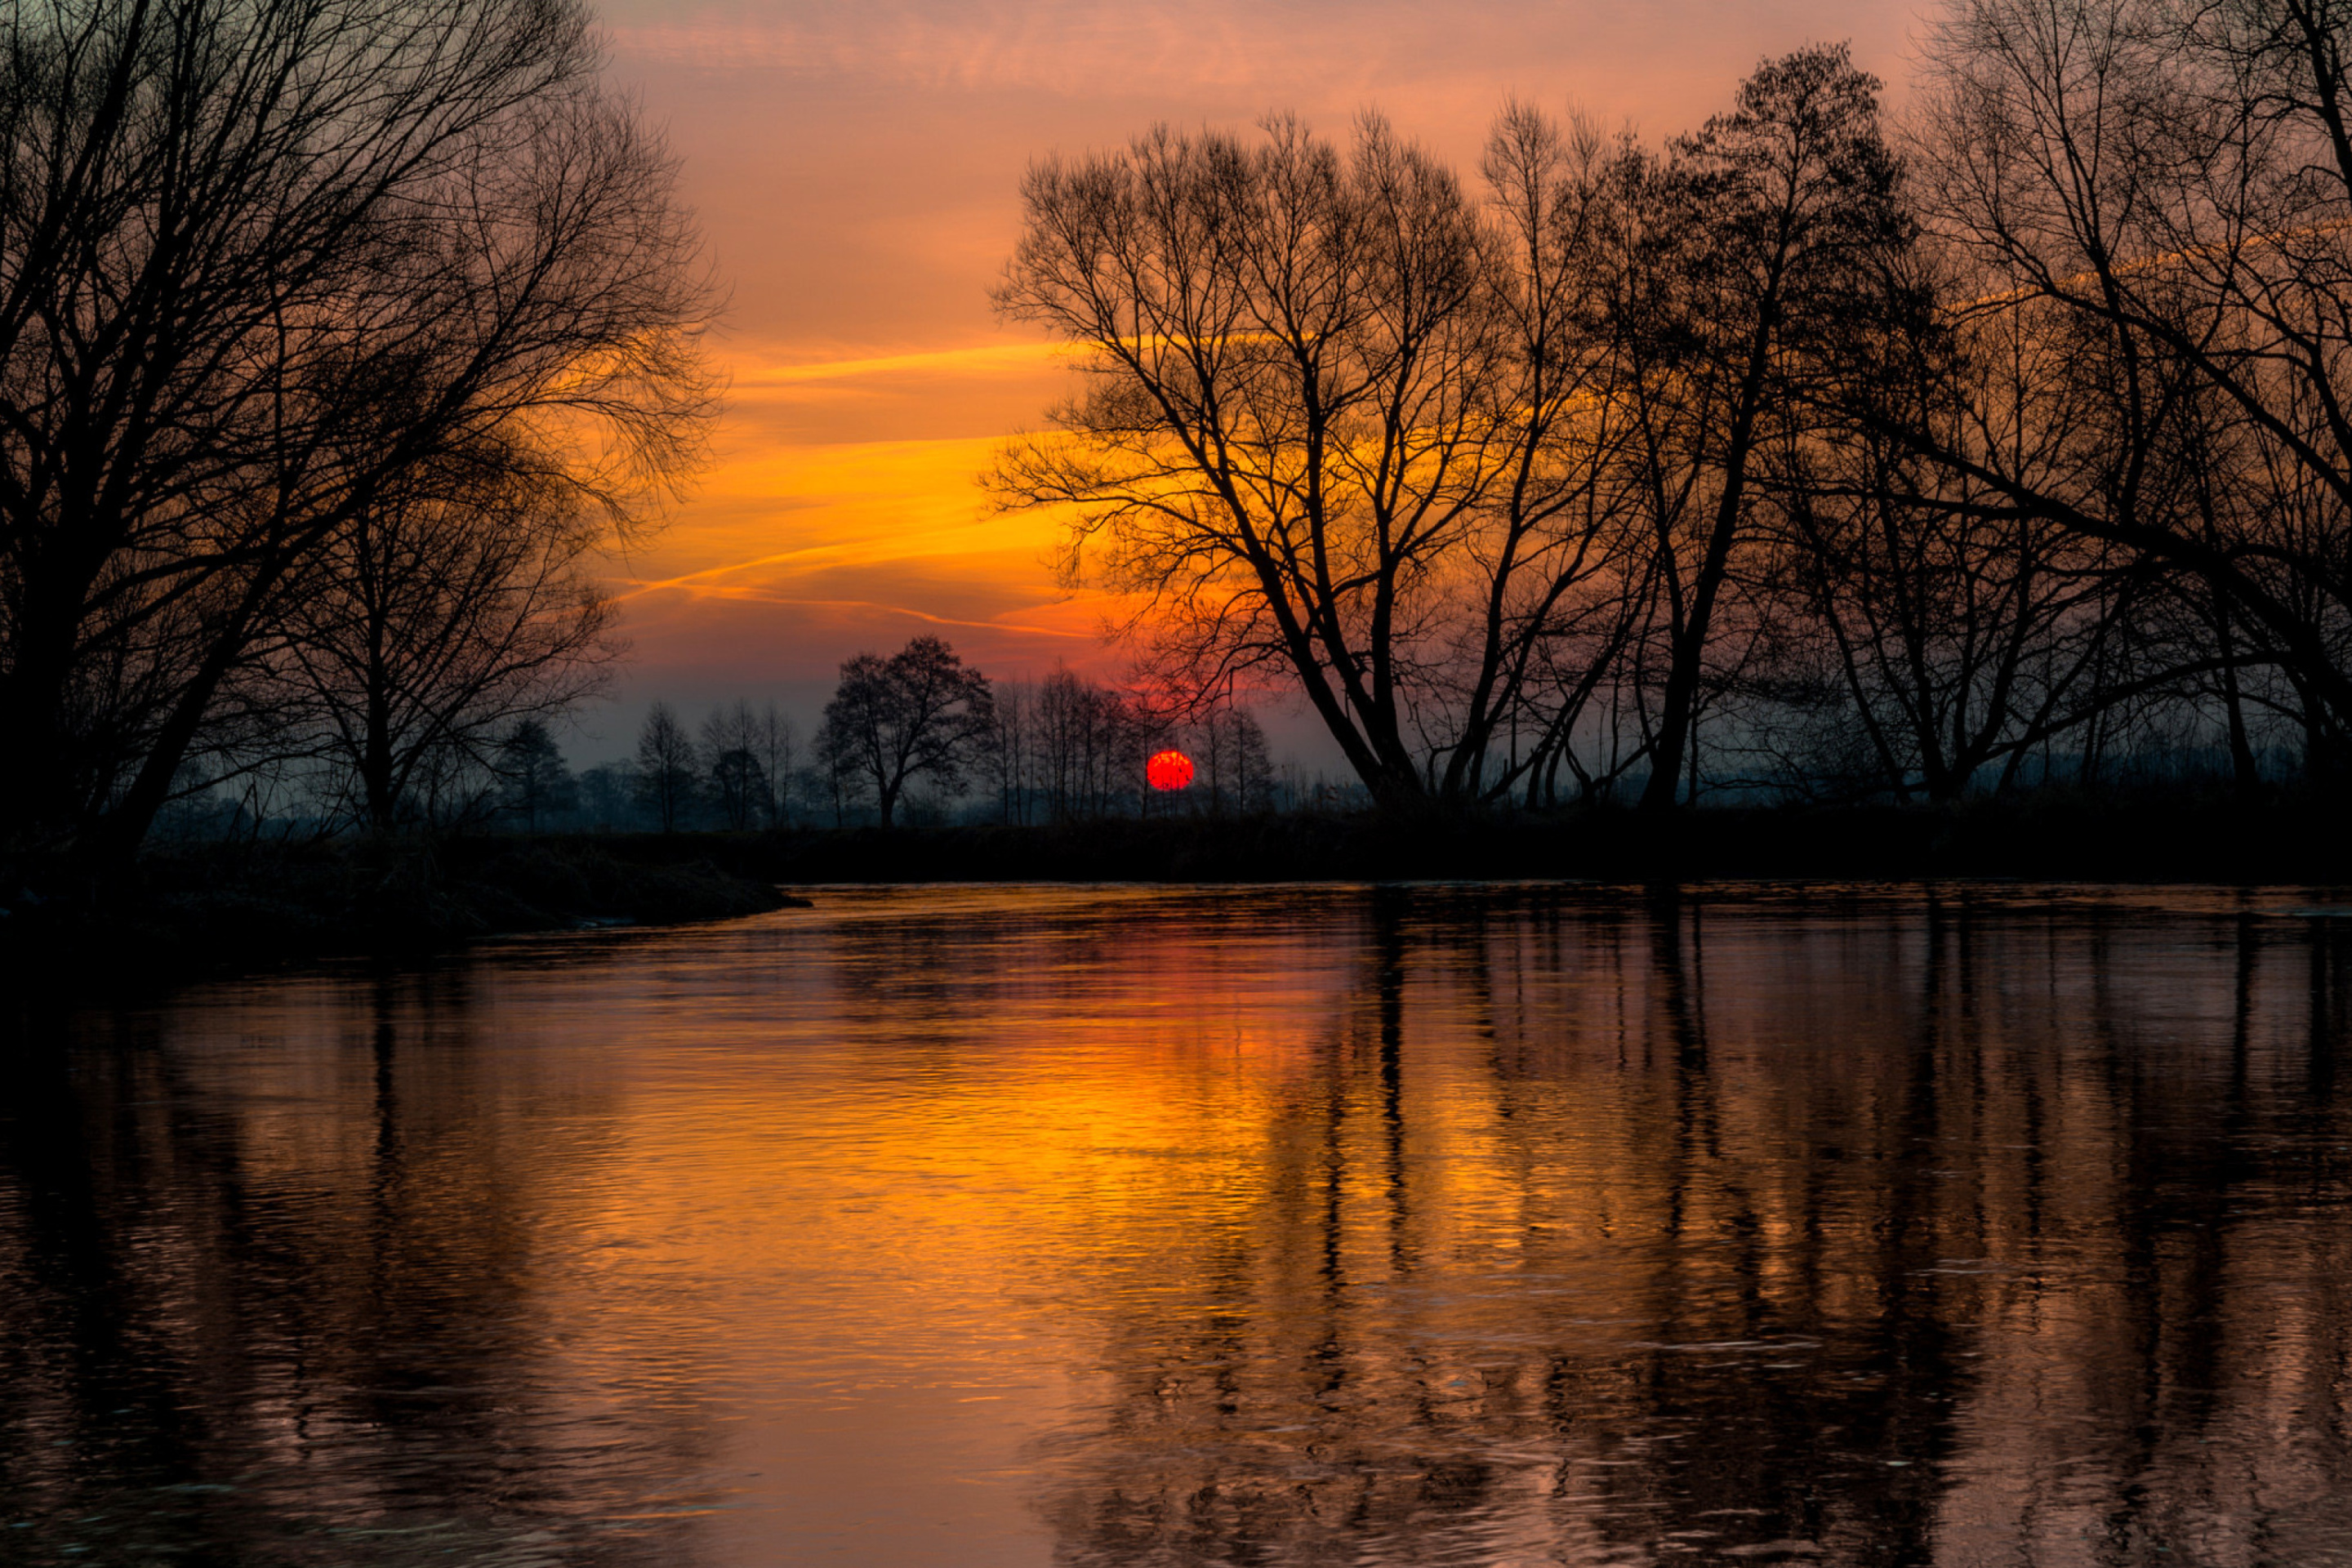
{"points": [[2182, 838], [224, 908]]}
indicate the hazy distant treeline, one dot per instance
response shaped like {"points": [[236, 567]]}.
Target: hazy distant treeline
{"points": [[1808, 454], [917, 736]]}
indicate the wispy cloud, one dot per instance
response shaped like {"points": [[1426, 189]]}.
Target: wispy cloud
{"points": [[988, 359], [861, 607], [1313, 50], [826, 546], [1055, 46]]}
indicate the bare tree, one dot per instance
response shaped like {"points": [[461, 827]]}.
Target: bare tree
{"points": [[426, 628], [1089, 746], [530, 766], [2172, 184], [262, 263], [919, 713], [1780, 218], [1235, 772], [778, 747], [1331, 421], [1948, 632], [739, 780], [669, 780], [1012, 753]]}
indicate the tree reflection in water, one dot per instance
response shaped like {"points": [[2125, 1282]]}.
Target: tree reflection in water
{"points": [[1938, 1235], [302, 1321], [1283, 1227]]}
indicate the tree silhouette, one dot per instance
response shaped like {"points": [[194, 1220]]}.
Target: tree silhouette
{"points": [[919, 713], [1792, 211], [428, 626], [742, 785], [668, 778], [264, 264], [536, 780]]}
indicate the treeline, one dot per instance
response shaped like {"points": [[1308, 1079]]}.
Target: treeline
{"points": [[1065, 750], [921, 736], [1807, 456], [334, 336], [917, 736]]}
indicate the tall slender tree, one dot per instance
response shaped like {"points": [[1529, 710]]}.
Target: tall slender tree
{"points": [[1782, 216], [668, 775]]}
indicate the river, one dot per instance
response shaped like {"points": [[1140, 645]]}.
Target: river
{"points": [[1504, 1225]]}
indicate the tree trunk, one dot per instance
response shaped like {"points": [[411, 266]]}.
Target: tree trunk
{"points": [[376, 766], [2244, 775], [1681, 706]]}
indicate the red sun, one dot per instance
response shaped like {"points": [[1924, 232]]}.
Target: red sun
{"points": [[1169, 770]]}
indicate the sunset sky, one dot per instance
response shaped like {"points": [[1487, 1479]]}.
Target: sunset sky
{"points": [[855, 166]]}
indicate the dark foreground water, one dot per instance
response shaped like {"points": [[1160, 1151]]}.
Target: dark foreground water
{"points": [[1483, 1225]]}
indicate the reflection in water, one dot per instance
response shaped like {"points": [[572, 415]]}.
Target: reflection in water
{"points": [[1133, 1227], [296, 1313]]}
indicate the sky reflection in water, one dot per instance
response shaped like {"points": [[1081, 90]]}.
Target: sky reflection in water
{"points": [[1163, 1227]]}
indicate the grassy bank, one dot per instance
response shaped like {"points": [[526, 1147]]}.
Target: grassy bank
{"points": [[233, 907], [221, 908], [2181, 836]]}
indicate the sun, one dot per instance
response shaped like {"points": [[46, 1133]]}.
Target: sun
{"points": [[1169, 770]]}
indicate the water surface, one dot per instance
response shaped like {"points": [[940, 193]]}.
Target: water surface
{"points": [[1287, 1225]]}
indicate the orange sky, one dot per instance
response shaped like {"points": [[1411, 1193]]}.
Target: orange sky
{"points": [[855, 163]]}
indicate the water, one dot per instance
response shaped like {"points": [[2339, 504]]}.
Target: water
{"points": [[1094, 1227]]}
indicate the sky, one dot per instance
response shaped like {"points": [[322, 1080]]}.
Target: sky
{"points": [[855, 166]]}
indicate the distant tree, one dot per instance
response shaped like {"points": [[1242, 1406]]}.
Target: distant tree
{"points": [[530, 765], [1090, 743], [667, 774], [1012, 752], [919, 713], [779, 747], [739, 780], [824, 784], [1229, 748], [728, 728], [738, 786], [608, 794]]}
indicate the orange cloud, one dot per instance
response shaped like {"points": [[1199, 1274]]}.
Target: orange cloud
{"points": [[797, 551]]}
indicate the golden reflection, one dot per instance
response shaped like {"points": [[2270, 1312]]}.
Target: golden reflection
{"points": [[1110, 1226]]}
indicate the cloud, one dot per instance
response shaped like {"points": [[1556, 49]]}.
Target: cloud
{"points": [[796, 554], [986, 360], [1257, 51], [1057, 46]]}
